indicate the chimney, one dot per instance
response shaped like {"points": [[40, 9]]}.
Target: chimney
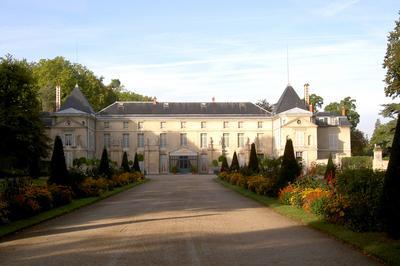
{"points": [[306, 94], [154, 100], [213, 99], [311, 108], [58, 97], [343, 111]]}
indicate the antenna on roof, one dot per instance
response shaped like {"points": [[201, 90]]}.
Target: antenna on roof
{"points": [[76, 61], [287, 62]]}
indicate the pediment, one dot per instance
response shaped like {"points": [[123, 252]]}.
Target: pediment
{"points": [[296, 111], [299, 122], [183, 152], [68, 122]]}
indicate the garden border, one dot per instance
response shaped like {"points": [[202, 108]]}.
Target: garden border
{"points": [[75, 204], [374, 244]]}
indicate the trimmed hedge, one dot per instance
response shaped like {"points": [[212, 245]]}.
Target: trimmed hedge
{"points": [[357, 162]]}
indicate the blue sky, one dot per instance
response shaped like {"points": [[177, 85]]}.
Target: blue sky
{"points": [[233, 50]]}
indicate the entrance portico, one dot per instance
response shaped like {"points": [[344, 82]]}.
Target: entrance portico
{"points": [[183, 159]]}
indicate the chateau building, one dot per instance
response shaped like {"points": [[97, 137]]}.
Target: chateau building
{"points": [[193, 134]]}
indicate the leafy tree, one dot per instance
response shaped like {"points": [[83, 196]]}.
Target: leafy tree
{"points": [[235, 163], [104, 167], [350, 107], [290, 168], [59, 71], [253, 160], [392, 62], [224, 165], [58, 168], [316, 101], [383, 136], [390, 110], [263, 103], [136, 167], [392, 188], [23, 139], [330, 172], [359, 143], [125, 163]]}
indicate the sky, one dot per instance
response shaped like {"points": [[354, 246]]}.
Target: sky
{"points": [[230, 50]]}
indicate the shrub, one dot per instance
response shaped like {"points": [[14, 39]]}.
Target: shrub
{"points": [[290, 168], [224, 164], [125, 163], [235, 163], [357, 162], [4, 212], [193, 169], [262, 185], [88, 188], [253, 160], [313, 200], [224, 176], [58, 168], [285, 194], [41, 195], [104, 168], [335, 208], [391, 198], [330, 172], [136, 167], [120, 180], [61, 194]]}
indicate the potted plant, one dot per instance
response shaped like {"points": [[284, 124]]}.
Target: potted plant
{"points": [[215, 166], [174, 170], [193, 169]]}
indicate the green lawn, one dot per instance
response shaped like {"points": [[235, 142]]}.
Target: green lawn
{"points": [[371, 243], [75, 204]]}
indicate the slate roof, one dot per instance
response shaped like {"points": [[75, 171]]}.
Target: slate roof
{"points": [[289, 100], [343, 121], [78, 101], [184, 108]]}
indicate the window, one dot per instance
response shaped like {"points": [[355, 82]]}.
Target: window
{"points": [[333, 121], [68, 139], [226, 124], [259, 124], [240, 124], [299, 155], [163, 140], [162, 125], [240, 140], [107, 140], [106, 124], [309, 140], [183, 124], [140, 140], [299, 138], [126, 124], [140, 125], [203, 140], [203, 124], [183, 139], [333, 141], [225, 140], [125, 141]]}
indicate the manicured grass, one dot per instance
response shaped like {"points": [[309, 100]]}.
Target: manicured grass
{"points": [[371, 243], [75, 204]]}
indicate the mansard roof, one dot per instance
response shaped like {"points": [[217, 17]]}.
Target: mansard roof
{"points": [[289, 100], [184, 108], [76, 100]]}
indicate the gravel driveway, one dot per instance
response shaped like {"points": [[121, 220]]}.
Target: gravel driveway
{"points": [[175, 220]]}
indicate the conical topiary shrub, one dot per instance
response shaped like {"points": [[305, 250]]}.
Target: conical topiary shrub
{"points": [[136, 167], [235, 163], [58, 168], [224, 165], [290, 169], [330, 172], [125, 163], [391, 189], [104, 167], [253, 160]]}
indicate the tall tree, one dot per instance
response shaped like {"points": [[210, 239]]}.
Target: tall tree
{"points": [[316, 101], [224, 164], [235, 163], [290, 168], [330, 171], [383, 136], [253, 160], [392, 62], [263, 103], [104, 167], [392, 188], [125, 163], [23, 139], [58, 168], [359, 143]]}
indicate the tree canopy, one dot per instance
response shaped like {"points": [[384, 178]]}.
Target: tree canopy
{"points": [[316, 101], [350, 106], [383, 136], [263, 103], [59, 71], [23, 139]]}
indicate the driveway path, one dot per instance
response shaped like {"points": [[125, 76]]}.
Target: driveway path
{"points": [[175, 220]]}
